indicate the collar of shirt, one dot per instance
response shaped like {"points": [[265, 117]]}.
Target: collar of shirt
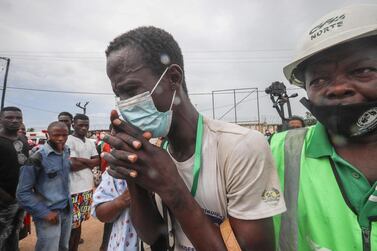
{"points": [[358, 191], [318, 144], [49, 149]]}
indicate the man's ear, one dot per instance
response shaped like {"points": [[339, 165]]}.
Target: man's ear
{"points": [[175, 74]]}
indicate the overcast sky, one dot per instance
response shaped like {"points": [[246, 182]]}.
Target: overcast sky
{"points": [[59, 45]]}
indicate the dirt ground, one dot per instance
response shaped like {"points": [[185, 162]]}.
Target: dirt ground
{"points": [[91, 233]]}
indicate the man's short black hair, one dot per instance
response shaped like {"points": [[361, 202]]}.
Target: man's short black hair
{"points": [[65, 114], [155, 46], [10, 108], [80, 116], [295, 117], [56, 124]]}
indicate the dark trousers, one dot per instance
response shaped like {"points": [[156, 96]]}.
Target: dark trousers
{"points": [[11, 217]]}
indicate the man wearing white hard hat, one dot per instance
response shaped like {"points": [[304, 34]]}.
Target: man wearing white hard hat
{"points": [[328, 171]]}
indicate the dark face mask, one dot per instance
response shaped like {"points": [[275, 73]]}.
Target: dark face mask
{"points": [[346, 120]]}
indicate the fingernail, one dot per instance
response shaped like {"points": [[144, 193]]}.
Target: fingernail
{"points": [[102, 155], [117, 122], [136, 144], [147, 135], [132, 158], [133, 174]]}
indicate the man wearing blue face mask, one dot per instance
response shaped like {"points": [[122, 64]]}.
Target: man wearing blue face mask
{"points": [[209, 170], [141, 112]]}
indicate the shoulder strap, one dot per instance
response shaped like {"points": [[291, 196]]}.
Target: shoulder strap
{"points": [[170, 238], [294, 141], [167, 240]]}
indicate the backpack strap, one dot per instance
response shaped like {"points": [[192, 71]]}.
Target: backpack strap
{"points": [[168, 217], [167, 240], [170, 238], [294, 142]]}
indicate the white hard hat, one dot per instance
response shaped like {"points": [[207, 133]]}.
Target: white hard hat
{"points": [[340, 26]]}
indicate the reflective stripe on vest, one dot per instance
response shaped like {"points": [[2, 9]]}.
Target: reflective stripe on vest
{"points": [[294, 141], [324, 220]]}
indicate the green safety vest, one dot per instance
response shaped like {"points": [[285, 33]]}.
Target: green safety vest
{"points": [[318, 216]]}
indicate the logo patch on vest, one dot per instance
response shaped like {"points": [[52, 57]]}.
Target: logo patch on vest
{"points": [[271, 196]]}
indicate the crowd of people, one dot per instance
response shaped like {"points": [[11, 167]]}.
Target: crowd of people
{"points": [[176, 180]]}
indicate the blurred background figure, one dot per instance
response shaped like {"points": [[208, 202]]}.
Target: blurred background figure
{"points": [[295, 122], [26, 227], [67, 119], [13, 154], [21, 131]]}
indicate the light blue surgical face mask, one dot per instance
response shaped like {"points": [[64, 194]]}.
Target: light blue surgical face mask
{"points": [[140, 111]]}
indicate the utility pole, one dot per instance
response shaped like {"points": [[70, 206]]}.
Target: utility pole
{"points": [[5, 81], [82, 107]]}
